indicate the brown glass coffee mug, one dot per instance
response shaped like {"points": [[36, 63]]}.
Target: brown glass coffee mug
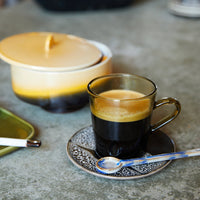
{"points": [[121, 107]]}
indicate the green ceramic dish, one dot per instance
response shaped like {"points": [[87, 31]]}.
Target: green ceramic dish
{"points": [[13, 127]]}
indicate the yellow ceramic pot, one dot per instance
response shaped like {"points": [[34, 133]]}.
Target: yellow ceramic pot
{"points": [[52, 70]]}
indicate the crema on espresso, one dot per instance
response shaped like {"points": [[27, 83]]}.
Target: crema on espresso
{"points": [[121, 106]]}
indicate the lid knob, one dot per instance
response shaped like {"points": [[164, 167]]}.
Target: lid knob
{"points": [[49, 42]]}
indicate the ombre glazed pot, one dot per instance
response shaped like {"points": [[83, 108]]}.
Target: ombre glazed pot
{"points": [[52, 70]]}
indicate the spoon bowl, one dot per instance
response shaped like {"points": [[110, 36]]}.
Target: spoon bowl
{"points": [[108, 165]]}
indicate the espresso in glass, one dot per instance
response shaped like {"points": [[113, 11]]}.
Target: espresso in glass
{"points": [[121, 130], [121, 108]]}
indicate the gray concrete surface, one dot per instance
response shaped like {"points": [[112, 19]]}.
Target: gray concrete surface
{"points": [[145, 39]]}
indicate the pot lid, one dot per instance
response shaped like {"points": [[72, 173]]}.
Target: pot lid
{"points": [[49, 51]]}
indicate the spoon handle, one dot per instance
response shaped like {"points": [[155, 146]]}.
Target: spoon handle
{"points": [[161, 157], [19, 142]]}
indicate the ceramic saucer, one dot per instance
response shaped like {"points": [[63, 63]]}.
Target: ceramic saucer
{"points": [[81, 151], [186, 8]]}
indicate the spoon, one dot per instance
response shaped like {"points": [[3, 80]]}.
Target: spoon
{"points": [[109, 165], [19, 142]]}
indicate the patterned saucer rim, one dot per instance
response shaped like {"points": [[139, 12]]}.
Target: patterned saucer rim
{"points": [[108, 176]]}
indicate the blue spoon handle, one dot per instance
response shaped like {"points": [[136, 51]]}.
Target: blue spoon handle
{"points": [[161, 157]]}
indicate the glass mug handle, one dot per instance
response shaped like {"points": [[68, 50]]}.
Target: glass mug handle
{"points": [[169, 118]]}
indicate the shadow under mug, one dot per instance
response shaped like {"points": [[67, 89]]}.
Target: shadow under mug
{"points": [[121, 108]]}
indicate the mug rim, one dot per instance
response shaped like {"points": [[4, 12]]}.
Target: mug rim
{"points": [[121, 75]]}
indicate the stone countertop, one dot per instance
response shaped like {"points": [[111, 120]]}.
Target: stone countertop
{"points": [[145, 39]]}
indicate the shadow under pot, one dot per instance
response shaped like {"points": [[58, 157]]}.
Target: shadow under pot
{"points": [[52, 70]]}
